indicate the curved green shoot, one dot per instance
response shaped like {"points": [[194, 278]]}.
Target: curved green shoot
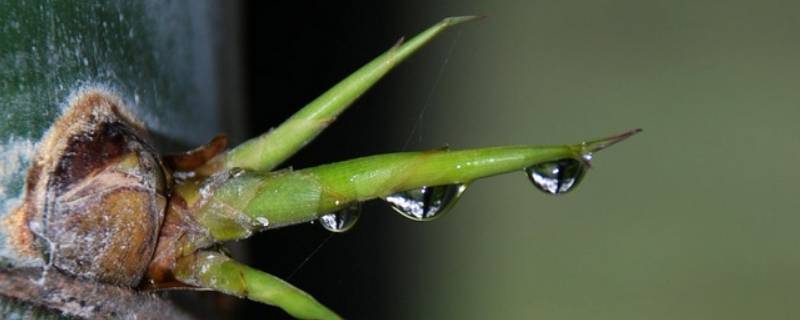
{"points": [[213, 270], [269, 150], [253, 201]]}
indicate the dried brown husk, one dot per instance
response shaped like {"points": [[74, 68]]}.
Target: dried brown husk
{"points": [[95, 194]]}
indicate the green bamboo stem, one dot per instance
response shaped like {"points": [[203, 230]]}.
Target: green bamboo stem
{"points": [[253, 201], [216, 271], [269, 150]]}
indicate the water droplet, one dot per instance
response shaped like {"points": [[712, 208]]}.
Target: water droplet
{"points": [[426, 203], [264, 222], [341, 220], [558, 176]]}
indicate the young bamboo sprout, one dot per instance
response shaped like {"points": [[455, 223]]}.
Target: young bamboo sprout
{"points": [[235, 195], [195, 201]]}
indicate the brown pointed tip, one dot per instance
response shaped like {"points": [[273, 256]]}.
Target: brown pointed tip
{"points": [[600, 144], [398, 43], [197, 157]]}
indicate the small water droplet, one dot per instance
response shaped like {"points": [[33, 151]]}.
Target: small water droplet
{"points": [[426, 203], [264, 222], [341, 220], [558, 176]]}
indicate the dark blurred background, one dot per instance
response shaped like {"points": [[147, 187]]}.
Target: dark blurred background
{"points": [[695, 218], [293, 52]]}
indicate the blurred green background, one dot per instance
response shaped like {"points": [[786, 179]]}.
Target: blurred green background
{"points": [[695, 218]]}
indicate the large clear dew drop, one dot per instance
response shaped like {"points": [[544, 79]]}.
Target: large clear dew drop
{"points": [[426, 203], [557, 177], [342, 220]]}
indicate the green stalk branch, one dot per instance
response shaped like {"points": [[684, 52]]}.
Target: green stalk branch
{"points": [[252, 201], [269, 150], [216, 271]]}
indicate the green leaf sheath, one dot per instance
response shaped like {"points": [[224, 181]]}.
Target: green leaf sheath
{"points": [[216, 271], [269, 150], [252, 201], [288, 197]]}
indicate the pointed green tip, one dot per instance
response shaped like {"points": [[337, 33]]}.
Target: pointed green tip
{"points": [[600, 144], [451, 21]]}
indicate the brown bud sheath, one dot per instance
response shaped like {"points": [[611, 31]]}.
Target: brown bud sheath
{"points": [[95, 195]]}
